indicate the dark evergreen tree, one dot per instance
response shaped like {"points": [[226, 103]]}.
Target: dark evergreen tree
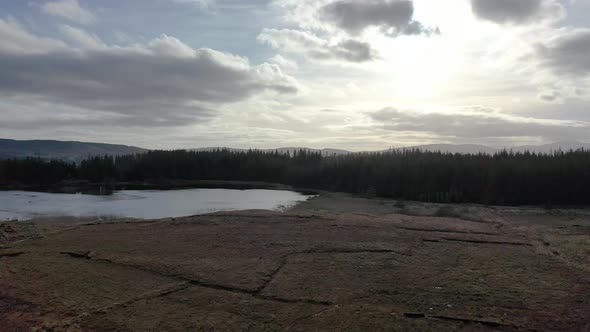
{"points": [[503, 178]]}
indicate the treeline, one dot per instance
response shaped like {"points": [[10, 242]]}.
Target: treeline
{"points": [[505, 178]]}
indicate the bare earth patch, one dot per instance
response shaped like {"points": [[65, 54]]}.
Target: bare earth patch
{"points": [[322, 266]]}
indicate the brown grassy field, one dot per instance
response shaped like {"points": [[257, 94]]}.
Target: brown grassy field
{"points": [[335, 263]]}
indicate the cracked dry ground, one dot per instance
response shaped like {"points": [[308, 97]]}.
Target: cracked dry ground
{"points": [[300, 271]]}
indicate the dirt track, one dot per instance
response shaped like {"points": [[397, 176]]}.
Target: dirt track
{"points": [[335, 263]]}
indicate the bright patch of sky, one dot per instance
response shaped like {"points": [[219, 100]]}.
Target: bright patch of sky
{"points": [[359, 75]]}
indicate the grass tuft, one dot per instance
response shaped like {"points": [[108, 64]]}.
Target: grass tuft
{"points": [[447, 212]]}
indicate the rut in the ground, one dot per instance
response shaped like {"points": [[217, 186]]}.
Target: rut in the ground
{"points": [[508, 243], [253, 292]]}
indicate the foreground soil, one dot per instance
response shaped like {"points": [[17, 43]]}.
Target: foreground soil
{"points": [[336, 263]]}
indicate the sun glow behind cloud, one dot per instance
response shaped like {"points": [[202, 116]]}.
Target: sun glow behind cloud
{"points": [[310, 72]]}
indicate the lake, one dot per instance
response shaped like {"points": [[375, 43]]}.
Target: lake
{"points": [[142, 204]]}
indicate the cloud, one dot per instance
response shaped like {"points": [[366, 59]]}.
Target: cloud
{"points": [[313, 47], [32, 114], [517, 11], [164, 81], [393, 17], [201, 3], [478, 124], [70, 10], [550, 96], [568, 53], [16, 40], [283, 62], [329, 30], [81, 37]]}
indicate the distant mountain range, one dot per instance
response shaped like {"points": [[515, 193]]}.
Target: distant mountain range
{"points": [[546, 148], [72, 151], [76, 151], [474, 148], [452, 148], [289, 150]]}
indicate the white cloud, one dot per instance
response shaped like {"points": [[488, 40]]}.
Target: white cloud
{"points": [[170, 46], [314, 47], [478, 123], [342, 30], [520, 61], [16, 40], [284, 62], [200, 3], [392, 17], [81, 37], [70, 10], [164, 82]]}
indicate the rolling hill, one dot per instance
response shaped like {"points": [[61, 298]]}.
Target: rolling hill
{"points": [[475, 148], [453, 148], [72, 151], [76, 151], [287, 150]]}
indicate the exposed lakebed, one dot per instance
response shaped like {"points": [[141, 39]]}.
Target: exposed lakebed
{"points": [[142, 204]]}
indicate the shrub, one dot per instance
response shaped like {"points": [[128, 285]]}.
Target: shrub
{"points": [[446, 211], [400, 204]]}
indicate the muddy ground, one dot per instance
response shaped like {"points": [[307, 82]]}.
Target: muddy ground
{"points": [[335, 263]]}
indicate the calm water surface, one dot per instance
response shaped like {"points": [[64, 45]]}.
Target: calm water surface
{"points": [[143, 204]]}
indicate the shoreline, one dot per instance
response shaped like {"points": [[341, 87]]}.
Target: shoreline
{"points": [[142, 204], [95, 188]]}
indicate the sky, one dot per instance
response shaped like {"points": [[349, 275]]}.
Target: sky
{"points": [[349, 74]]}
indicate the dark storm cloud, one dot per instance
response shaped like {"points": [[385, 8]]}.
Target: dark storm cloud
{"points": [[317, 48], [394, 17], [567, 54], [515, 11], [478, 124]]}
